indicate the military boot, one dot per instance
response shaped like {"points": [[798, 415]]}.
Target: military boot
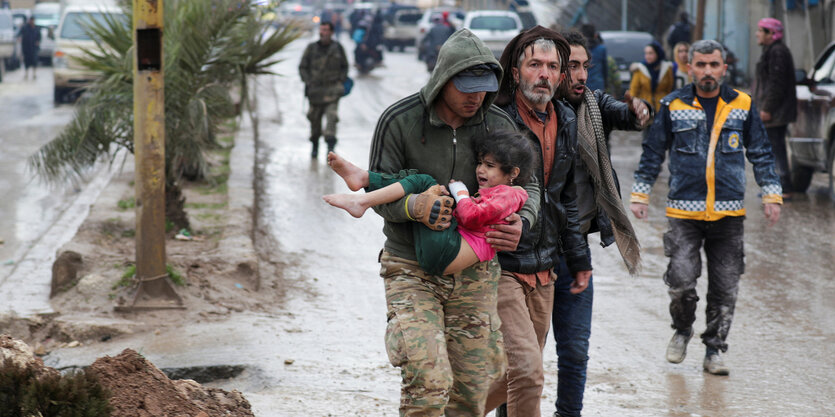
{"points": [[315, 151], [331, 141]]}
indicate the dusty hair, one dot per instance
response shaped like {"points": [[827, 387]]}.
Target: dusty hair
{"points": [[510, 149]]}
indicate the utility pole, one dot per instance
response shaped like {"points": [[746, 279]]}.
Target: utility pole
{"points": [[155, 290], [700, 21]]}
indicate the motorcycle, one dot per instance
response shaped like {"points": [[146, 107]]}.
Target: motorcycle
{"points": [[367, 57]]}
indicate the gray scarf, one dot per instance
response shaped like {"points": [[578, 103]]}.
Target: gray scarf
{"points": [[591, 142]]}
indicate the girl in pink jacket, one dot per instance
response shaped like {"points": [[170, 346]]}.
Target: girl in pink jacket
{"points": [[505, 161]]}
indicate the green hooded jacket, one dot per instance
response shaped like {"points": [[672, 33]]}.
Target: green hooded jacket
{"points": [[411, 135]]}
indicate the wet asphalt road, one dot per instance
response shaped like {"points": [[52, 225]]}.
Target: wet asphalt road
{"points": [[28, 120], [781, 343]]}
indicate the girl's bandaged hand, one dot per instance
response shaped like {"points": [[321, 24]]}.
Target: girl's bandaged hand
{"points": [[458, 190]]}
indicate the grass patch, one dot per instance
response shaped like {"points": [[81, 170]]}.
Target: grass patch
{"points": [[175, 276], [129, 233], [127, 277], [209, 217], [210, 206], [127, 204]]}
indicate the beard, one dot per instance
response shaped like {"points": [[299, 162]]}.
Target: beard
{"points": [[707, 84], [529, 90]]}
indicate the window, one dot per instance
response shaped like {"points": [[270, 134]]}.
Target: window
{"points": [[75, 24], [493, 23]]}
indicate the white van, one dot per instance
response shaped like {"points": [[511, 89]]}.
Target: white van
{"points": [[69, 76], [495, 27]]}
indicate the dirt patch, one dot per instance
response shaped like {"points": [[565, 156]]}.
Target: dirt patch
{"points": [[139, 389]]}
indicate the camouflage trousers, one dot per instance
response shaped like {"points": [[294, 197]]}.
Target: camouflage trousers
{"points": [[315, 113], [723, 244], [443, 334]]}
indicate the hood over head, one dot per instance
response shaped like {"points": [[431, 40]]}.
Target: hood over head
{"points": [[461, 51], [510, 57]]}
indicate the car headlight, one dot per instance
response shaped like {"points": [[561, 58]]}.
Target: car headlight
{"points": [[59, 60]]}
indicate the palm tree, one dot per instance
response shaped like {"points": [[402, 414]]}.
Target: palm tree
{"points": [[209, 47]]}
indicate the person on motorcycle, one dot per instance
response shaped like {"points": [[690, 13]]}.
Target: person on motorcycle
{"points": [[441, 30], [368, 53]]}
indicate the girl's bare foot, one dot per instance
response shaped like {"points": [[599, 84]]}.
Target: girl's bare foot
{"points": [[354, 176], [351, 203]]}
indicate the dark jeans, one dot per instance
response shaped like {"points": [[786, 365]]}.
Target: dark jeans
{"points": [[572, 328], [723, 244], [777, 137]]}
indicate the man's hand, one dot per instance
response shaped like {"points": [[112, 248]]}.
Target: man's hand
{"points": [[432, 208], [581, 282], [638, 108], [505, 237], [772, 213], [766, 116], [640, 210]]}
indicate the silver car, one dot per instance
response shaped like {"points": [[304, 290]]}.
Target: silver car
{"points": [[47, 16], [811, 138], [7, 41]]}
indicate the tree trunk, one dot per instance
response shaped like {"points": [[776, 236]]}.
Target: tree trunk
{"points": [[175, 211]]}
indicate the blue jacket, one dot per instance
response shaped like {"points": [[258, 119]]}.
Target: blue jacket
{"points": [[707, 169]]}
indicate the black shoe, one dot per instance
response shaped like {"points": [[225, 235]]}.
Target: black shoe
{"points": [[315, 151]]}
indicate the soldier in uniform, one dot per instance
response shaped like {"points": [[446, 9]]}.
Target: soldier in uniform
{"points": [[324, 69], [443, 330]]}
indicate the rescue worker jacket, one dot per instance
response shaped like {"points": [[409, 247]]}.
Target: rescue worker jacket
{"points": [[558, 230], [707, 169], [410, 135]]}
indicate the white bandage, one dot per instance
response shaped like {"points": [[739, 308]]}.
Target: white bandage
{"points": [[458, 190]]}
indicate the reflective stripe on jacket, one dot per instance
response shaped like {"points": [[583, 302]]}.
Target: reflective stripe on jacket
{"points": [[707, 169]]}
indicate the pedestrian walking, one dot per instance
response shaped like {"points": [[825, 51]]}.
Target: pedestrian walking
{"points": [[775, 94], [652, 78], [708, 129], [535, 61], [443, 330], [600, 209], [598, 65], [30, 41], [680, 61], [324, 69], [680, 31]]}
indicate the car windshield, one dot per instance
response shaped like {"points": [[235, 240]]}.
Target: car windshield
{"points": [[493, 23], [5, 21], [75, 23], [626, 50], [409, 18], [824, 69]]}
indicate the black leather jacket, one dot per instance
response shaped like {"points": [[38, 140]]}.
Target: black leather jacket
{"points": [[557, 232]]}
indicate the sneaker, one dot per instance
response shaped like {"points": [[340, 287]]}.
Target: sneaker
{"points": [[677, 348], [714, 364]]}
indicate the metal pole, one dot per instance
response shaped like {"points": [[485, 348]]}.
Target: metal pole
{"points": [[623, 15], [155, 290]]}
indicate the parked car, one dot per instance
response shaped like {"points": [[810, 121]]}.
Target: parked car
{"points": [[47, 16], [301, 15], [403, 30], [69, 76], [811, 138], [625, 47], [7, 41], [495, 27]]}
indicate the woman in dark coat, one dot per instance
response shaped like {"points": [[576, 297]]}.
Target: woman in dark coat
{"points": [[30, 40]]}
